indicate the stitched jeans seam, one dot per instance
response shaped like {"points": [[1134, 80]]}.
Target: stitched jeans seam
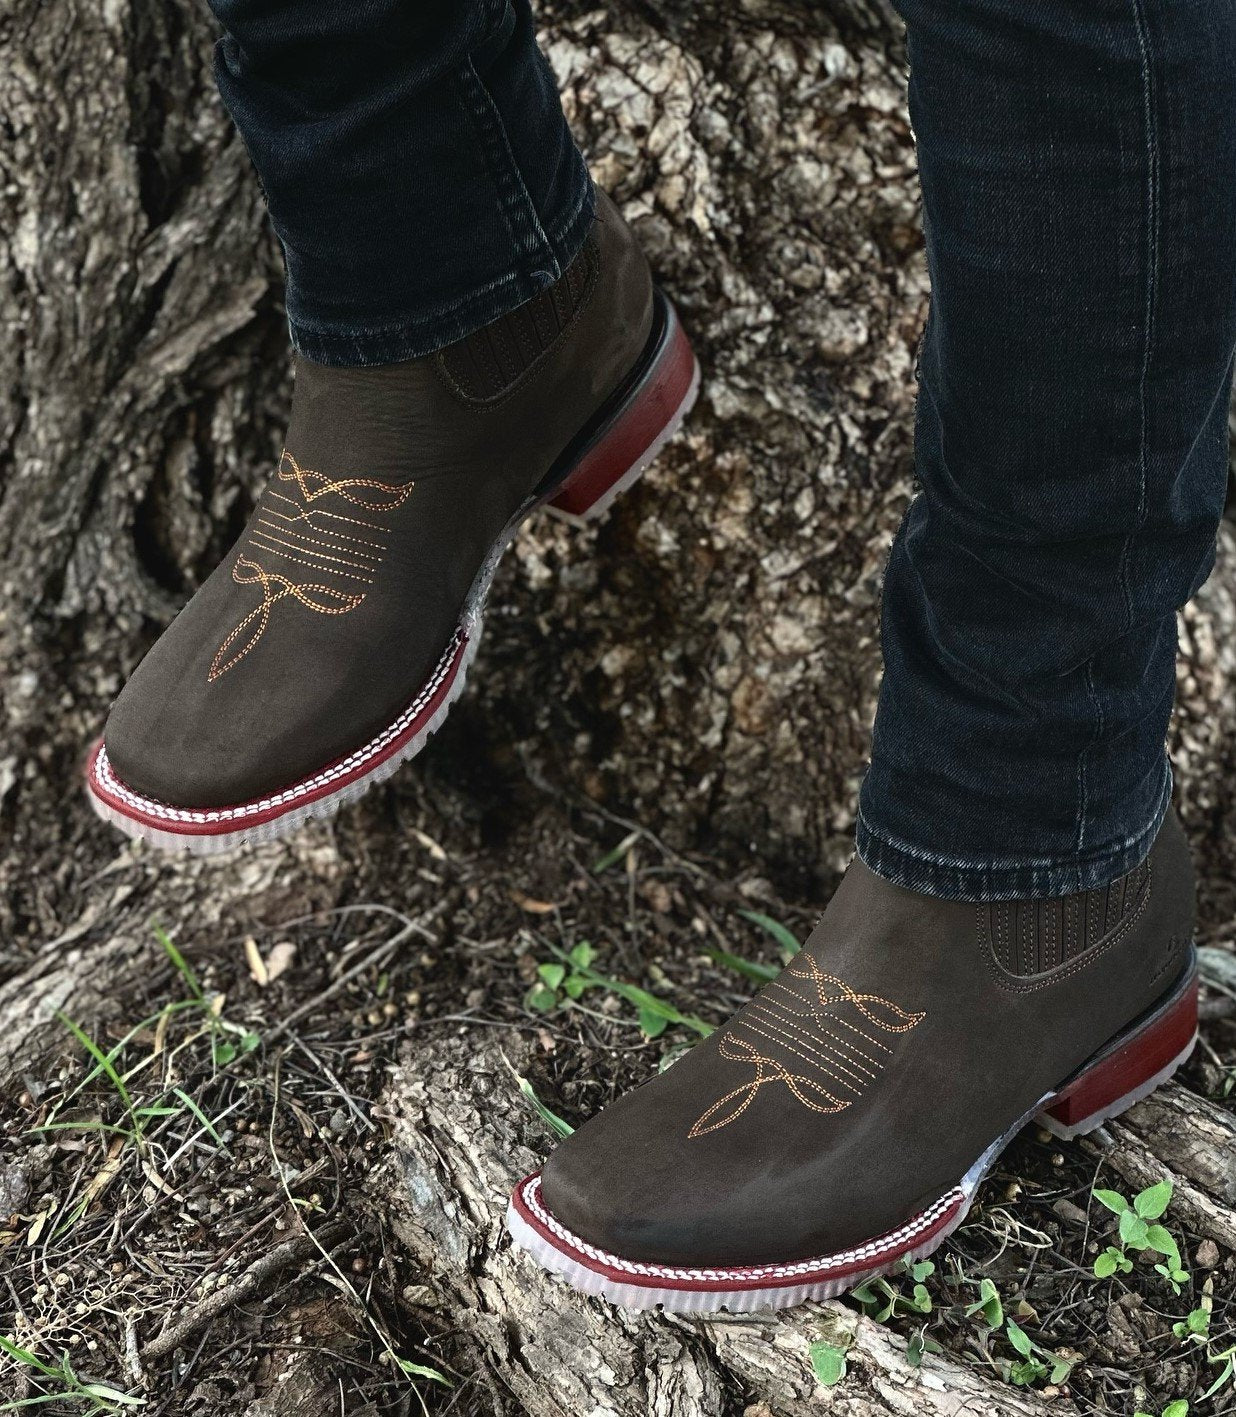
{"points": [[527, 233]]}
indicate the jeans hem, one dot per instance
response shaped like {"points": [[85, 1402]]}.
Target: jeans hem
{"points": [[415, 335], [919, 870]]}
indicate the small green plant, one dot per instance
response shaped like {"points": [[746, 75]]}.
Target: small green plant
{"points": [[559, 980], [880, 1300], [1179, 1408], [1035, 1363], [987, 1304], [1139, 1232], [918, 1345], [828, 1363], [559, 1125], [565, 979], [1226, 1360], [61, 1384], [1195, 1328]]}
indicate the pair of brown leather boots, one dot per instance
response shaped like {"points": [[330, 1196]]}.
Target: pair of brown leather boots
{"points": [[843, 1120]]}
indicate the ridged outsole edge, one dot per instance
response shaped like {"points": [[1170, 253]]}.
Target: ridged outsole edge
{"points": [[743, 1299], [216, 843]]}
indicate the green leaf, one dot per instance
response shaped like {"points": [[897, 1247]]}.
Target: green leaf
{"points": [[827, 1363], [182, 964], [1018, 1338], [988, 1304], [552, 974], [916, 1347], [104, 1060], [921, 1300], [1113, 1200], [23, 1355], [761, 973], [541, 999], [419, 1370], [1158, 1238], [1224, 1374], [1105, 1264], [924, 1269], [225, 1053], [1133, 1230], [1060, 1369], [1027, 1373], [1153, 1201], [582, 955], [574, 986], [551, 1119], [611, 858], [207, 1124], [104, 1392], [652, 1023], [1198, 1321], [1179, 1408], [787, 942]]}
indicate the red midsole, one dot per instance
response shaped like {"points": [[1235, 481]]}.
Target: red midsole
{"points": [[735, 1282], [280, 809], [1132, 1064], [634, 429]]}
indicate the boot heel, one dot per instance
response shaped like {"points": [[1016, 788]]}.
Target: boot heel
{"points": [[1129, 1068], [649, 412]]}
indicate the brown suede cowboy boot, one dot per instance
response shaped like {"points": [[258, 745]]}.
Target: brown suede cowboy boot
{"points": [[844, 1119], [334, 637]]}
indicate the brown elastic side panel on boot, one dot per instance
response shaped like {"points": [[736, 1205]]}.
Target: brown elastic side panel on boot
{"points": [[1033, 936], [486, 364]]}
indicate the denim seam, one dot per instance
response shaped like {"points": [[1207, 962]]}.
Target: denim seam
{"points": [[562, 237], [427, 333], [1011, 864], [520, 212], [1148, 320]]}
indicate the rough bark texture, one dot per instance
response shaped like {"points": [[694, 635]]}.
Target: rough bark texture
{"points": [[703, 665]]}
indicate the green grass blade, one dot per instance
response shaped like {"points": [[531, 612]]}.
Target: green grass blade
{"points": [[761, 973], [105, 1063], [787, 942]]}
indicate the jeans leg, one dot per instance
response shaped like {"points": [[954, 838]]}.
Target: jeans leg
{"points": [[416, 163], [1078, 162]]}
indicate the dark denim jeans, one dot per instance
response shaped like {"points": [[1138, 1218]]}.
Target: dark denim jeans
{"points": [[1078, 162], [416, 163]]}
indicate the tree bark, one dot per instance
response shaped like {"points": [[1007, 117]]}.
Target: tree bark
{"points": [[703, 665]]}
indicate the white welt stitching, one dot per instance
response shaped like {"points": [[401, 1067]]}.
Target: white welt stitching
{"points": [[924, 1220], [108, 779]]}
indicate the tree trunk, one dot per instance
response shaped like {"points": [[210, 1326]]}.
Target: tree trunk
{"points": [[700, 671]]}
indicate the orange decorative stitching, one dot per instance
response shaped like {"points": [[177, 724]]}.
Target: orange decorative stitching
{"points": [[302, 541], [766, 1070], [322, 512], [305, 558], [830, 1042], [343, 486], [256, 575], [328, 530], [810, 996], [312, 550]]}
